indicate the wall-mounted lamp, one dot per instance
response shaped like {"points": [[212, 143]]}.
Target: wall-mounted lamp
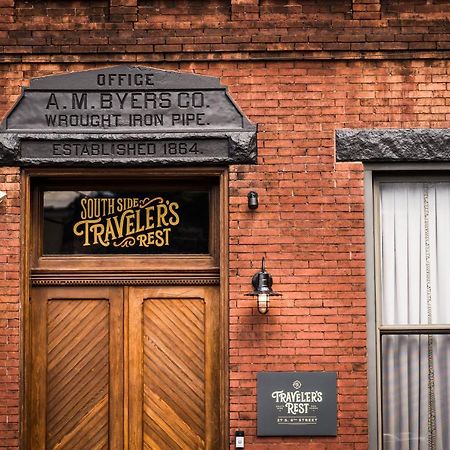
{"points": [[252, 198], [262, 285], [2, 196]]}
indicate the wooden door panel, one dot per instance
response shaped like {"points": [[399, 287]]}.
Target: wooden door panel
{"points": [[172, 360], [174, 379], [80, 391], [77, 366], [77, 374]]}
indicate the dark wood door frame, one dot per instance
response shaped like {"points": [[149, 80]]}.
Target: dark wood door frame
{"points": [[30, 177]]}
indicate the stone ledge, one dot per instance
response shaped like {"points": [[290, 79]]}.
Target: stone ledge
{"points": [[384, 145]]}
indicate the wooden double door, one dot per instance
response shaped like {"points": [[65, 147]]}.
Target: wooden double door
{"points": [[124, 367]]}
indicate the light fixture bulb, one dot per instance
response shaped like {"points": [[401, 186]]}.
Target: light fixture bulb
{"points": [[263, 303]]}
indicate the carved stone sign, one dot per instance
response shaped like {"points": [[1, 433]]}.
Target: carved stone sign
{"points": [[123, 115], [296, 404], [121, 151]]}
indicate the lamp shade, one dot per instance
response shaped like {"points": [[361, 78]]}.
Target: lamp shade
{"points": [[262, 288]]}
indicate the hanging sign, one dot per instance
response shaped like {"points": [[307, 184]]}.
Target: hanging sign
{"points": [[296, 404]]}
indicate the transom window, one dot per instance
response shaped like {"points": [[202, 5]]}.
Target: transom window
{"points": [[151, 221]]}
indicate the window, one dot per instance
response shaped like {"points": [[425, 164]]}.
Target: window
{"points": [[412, 238], [106, 220]]}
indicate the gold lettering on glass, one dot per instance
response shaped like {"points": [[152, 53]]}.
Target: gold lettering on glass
{"points": [[126, 222]]}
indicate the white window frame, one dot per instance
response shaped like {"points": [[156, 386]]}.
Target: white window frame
{"points": [[373, 174]]}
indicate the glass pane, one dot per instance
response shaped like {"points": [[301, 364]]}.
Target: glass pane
{"points": [[415, 253], [113, 222], [416, 392]]}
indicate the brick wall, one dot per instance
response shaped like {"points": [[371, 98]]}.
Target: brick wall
{"points": [[310, 224], [181, 30], [9, 308], [295, 68]]}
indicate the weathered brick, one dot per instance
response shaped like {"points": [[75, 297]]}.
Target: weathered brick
{"points": [[9, 309], [310, 223]]}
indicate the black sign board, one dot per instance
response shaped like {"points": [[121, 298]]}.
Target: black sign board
{"points": [[150, 150], [180, 118], [296, 404]]}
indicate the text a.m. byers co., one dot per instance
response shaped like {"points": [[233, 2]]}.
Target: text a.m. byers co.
{"points": [[126, 109]]}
